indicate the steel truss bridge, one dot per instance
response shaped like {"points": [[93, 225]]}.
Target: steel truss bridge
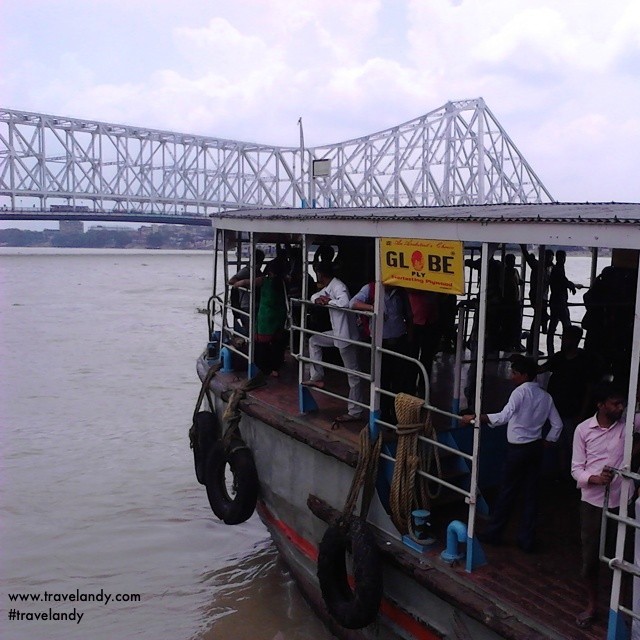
{"points": [[456, 154]]}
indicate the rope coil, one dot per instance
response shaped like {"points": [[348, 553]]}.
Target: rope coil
{"points": [[408, 493]]}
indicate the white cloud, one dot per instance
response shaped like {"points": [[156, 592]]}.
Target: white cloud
{"points": [[562, 78]]}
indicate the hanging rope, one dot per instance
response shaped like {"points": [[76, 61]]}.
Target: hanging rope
{"points": [[232, 413], [365, 475], [204, 390], [407, 494], [430, 456]]}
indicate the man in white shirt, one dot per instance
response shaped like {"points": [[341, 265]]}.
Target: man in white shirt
{"points": [[525, 414], [335, 295]]}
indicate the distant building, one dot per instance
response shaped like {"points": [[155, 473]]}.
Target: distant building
{"points": [[71, 226]]}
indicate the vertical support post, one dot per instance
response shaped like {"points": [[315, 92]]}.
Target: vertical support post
{"points": [[303, 203], [306, 402], [252, 369], [448, 172], [537, 311], [616, 621], [594, 265], [376, 325], [214, 287], [225, 269], [457, 367], [482, 325], [480, 146]]}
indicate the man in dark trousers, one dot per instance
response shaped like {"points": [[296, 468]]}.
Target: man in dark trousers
{"points": [[598, 448], [525, 414], [559, 287], [574, 374]]}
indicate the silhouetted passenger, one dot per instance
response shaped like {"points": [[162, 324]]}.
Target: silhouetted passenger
{"points": [[532, 261], [608, 321], [512, 305], [559, 287], [242, 299], [573, 376], [494, 314], [426, 334]]}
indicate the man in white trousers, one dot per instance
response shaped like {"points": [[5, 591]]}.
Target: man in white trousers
{"points": [[335, 295]]}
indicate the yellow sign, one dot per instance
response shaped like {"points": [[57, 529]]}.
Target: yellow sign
{"points": [[432, 265]]}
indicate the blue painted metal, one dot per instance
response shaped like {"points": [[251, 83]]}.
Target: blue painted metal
{"points": [[227, 363], [617, 629], [475, 554], [252, 370], [421, 547], [456, 534], [459, 465], [306, 401], [374, 429]]}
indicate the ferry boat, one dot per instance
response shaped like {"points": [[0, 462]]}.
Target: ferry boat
{"points": [[373, 560]]}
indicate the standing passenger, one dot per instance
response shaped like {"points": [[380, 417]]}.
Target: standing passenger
{"points": [[396, 325], [598, 446], [573, 376], [242, 299], [426, 331], [512, 301], [559, 285], [334, 295], [525, 414], [532, 261], [270, 336]]}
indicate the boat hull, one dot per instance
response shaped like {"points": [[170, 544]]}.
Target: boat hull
{"points": [[290, 471]]}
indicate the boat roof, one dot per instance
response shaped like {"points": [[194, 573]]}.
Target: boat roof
{"points": [[612, 224]]}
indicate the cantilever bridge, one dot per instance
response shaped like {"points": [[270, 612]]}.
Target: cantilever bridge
{"points": [[53, 167]]}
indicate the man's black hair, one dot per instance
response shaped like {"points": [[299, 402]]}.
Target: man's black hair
{"points": [[525, 365], [324, 268], [573, 330], [607, 390]]}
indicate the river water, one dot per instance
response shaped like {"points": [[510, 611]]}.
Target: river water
{"points": [[97, 389]]}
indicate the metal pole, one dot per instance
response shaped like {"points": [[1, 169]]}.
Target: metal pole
{"points": [[457, 367], [615, 620], [482, 321], [376, 326], [302, 190], [303, 308], [251, 371], [594, 265]]}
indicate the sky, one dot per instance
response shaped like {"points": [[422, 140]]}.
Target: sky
{"points": [[562, 78]]}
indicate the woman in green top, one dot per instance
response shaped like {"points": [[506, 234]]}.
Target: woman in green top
{"points": [[270, 335]]}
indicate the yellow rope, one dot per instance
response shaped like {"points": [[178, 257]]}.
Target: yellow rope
{"points": [[404, 495]]}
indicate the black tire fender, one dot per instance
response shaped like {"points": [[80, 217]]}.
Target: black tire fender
{"points": [[203, 434], [358, 607], [238, 508]]}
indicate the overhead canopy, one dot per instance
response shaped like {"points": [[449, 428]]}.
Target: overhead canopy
{"points": [[564, 224]]}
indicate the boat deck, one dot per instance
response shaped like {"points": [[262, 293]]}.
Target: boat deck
{"points": [[545, 586]]}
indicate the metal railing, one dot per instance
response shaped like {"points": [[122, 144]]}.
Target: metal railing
{"points": [[624, 524]]}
